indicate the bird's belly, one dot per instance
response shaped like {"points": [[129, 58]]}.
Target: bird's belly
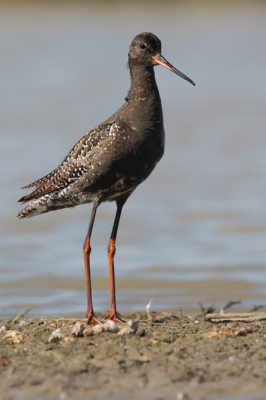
{"points": [[127, 164], [136, 167]]}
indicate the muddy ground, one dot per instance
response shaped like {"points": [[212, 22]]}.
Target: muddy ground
{"points": [[168, 357]]}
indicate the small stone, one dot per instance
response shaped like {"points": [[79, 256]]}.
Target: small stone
{"points": [[133, 325], [144, 359], [78, 329], [125, 330], [160, 318], [96, 329], [4, 360], [141, 332], [67, 339], [88, 331], [56, 336], [16, 337], [111, 326], [182, 396], [55, 331], [22, 323], [82, 389]]}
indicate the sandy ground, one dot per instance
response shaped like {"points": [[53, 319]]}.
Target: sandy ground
{"points": [[167, 357]]}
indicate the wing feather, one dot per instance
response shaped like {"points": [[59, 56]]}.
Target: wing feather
{"points": [[74, 165]]}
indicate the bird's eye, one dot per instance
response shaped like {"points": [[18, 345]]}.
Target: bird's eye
{"points": [[142, 46]]}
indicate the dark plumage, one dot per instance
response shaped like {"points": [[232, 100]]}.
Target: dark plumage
{"points": [[110, 161]]}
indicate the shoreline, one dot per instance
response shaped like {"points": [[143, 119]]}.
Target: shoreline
{"points": [[167, 357]]}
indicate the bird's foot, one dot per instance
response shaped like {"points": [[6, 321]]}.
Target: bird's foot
{"points": [[113, 317], [92, 320]]}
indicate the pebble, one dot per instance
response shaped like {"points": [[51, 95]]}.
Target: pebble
{"points": [[16, 337], [78, 329], [111, 326], [133, 325], [125, 330], [144, 359], [88, 331], [55, 331], [56, 336], [97, 329], [141, 332]]}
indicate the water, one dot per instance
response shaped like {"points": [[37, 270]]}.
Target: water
{"points": [[196, 229]]}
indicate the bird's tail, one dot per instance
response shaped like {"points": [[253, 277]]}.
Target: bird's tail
{"points": [[51, 202], [36, 207]]}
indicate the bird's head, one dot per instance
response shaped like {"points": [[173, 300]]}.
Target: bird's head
{"points": [[145, 50]]}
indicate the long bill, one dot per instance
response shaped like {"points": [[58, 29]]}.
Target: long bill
{"points": [[162, 61]]}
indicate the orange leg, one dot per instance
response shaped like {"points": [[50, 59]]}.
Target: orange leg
{"points": [[86, 254], [111, 253]]}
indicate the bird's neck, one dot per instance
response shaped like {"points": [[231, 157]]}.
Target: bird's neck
{"points": [[143, 84], [143, 97]]}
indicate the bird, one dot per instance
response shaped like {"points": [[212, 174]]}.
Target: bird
{"points": [[111, 160]]}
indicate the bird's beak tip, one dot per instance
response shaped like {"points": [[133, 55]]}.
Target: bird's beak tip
{"points": [[162, 61]]}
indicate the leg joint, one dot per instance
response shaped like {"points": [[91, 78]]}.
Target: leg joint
{"points": [[111, 247], [87, 247]]}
